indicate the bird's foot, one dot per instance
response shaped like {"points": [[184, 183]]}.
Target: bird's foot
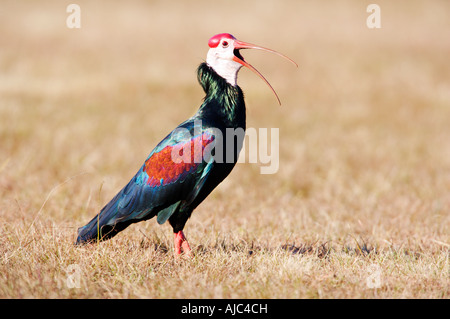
{"points": [[182, 245]]}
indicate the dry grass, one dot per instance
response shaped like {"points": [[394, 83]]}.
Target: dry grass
{"points": [[364, 174]]}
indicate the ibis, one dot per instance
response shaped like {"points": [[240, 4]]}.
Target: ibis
{"points": [[182, 170]]}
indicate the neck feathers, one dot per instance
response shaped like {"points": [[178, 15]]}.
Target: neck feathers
{"points": [[221, 96], [216, 87]]}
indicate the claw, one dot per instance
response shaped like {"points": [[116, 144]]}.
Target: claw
{"points": [[182, 245]]}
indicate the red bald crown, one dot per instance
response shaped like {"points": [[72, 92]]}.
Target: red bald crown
{"points": [[215, 40]]}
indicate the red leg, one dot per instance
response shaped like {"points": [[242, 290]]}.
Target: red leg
{"points": [[181, 244]]}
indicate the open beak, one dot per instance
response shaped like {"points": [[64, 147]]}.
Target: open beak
{"points": [[238, 45]]}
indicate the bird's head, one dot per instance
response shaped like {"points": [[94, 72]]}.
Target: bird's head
{"points": [[224, 57]]}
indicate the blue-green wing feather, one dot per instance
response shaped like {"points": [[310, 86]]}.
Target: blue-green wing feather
{"points": [[146, 195]]}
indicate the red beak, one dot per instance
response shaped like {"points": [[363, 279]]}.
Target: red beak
{"points": [[238, 58]]}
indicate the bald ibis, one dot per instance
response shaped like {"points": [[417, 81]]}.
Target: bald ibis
{"points": [[170, 188]]}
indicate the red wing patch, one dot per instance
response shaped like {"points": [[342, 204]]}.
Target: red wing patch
{"points": [[165, 167]]}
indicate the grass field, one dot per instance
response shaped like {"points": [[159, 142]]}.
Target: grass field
{"points": [[360, 205]]}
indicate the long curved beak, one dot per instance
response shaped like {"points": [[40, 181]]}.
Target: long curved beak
{"points": [[238, 45]]}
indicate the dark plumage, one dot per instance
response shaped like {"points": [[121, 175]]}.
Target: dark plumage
{"points": [[178, 194], [193, 159]]}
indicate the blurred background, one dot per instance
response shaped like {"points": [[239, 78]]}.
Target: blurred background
{"points": [[364, 148], [364, 122]]}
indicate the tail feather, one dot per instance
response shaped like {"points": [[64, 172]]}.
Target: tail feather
{"points": [[129, 206], [117, 215], [103, 226]]}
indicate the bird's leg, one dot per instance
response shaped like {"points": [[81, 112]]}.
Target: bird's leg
{"points": [[181, 244]]}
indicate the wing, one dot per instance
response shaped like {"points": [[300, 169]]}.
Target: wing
{"points": [[171, 176]]}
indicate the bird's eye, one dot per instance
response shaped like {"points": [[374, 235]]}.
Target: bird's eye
{"points": [[224, 44]]}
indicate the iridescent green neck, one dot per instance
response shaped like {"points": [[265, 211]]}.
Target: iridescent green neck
{"points": [[221, 95]]}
